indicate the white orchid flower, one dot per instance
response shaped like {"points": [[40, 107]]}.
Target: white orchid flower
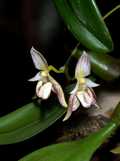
{"points": [[83, 92], [46, 83]]}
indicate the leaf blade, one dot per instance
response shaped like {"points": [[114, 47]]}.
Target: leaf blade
{"points": [[82, 32], [36, 123], [72, 151], [90, 16], [76, 150]]}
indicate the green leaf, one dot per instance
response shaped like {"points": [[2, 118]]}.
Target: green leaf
{"points": [[81, 150], [28, 121], [103, 65], [116, 115], [83, 19]]}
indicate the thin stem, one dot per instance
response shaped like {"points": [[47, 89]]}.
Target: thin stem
{"points": [[67, 62], [52, 68], [75, 49], [111, 11]]}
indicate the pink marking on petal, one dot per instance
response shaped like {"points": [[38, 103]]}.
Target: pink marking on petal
{"points": [[94, 98], [84, 98], [73, 106], [75, 103], [56, 88], [88, 98]]}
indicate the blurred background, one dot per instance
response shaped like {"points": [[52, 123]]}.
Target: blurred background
{"points": [[24, 23]]}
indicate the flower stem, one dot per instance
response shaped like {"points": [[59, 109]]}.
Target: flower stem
{"points": [[52, 68], [111, 11]]}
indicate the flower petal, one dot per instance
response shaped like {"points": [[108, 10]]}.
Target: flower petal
{"points": [[85, 99], [74, 102], [68, 114], [58, 90], [94, 98], [37, 77], [73, 106], [83, 66], [91, 84], [38, 59], [38, 86], [44, 91]]}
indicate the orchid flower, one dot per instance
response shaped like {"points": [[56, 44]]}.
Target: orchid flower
{"points": [[83, 92], [46, 83]]}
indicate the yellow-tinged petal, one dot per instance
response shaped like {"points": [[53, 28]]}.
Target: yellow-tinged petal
{"points": [[116, 150]]}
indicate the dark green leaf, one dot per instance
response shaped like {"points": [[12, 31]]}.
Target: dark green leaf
{"points": [[28, 121], [84, 20], [81, 150], [116, 115]]}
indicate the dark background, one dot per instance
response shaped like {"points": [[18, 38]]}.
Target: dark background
{"points": [[24, 23]]}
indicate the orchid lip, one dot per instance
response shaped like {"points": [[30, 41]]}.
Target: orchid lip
{"points": [[45, 90]]}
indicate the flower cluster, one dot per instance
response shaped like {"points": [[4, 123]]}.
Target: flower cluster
{"points": [[82, 93]]}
